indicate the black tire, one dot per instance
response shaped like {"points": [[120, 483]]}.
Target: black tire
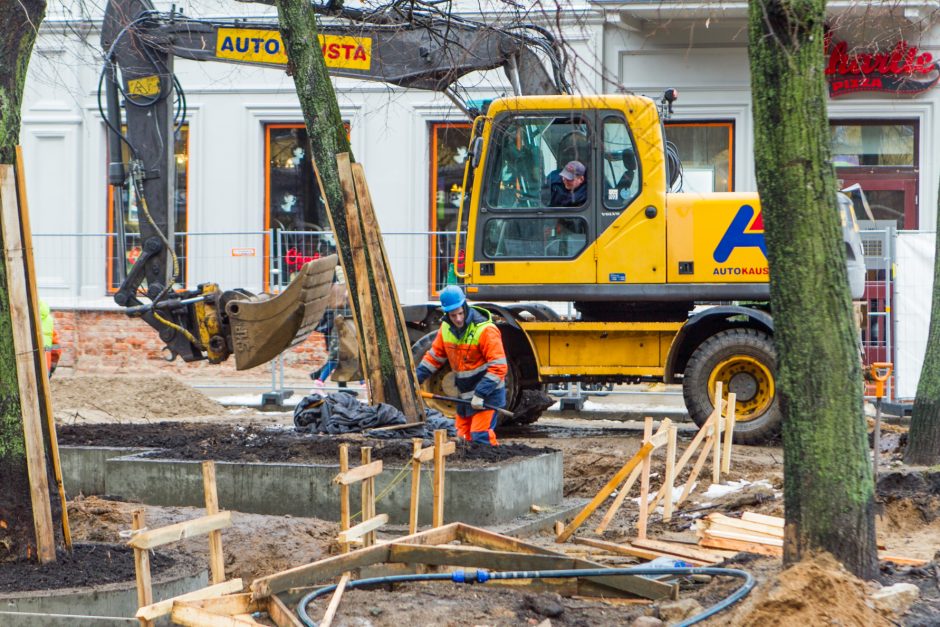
{"points": [[442, 383], [746, 362]]}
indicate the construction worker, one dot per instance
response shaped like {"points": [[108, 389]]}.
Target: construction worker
{"points": [[470, 342], [50, 337]]}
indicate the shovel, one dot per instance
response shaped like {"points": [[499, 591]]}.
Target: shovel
{"points": [[454, 399]]}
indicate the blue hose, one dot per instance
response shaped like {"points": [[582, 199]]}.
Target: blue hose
{"points": [[482, 576]]}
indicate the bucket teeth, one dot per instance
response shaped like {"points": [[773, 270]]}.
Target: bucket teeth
{"points": [[264, 326]]}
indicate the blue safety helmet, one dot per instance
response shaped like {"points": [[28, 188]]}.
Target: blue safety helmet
{"points": [[451, 298]]}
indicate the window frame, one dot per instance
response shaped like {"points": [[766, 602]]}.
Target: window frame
{"points": [[434, 262], [713, 122]]}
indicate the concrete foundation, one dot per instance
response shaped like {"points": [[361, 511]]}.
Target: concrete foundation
{"points": [[482, 496], [111, 604]]}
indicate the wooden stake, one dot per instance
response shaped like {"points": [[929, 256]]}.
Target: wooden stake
{"points": [[645, 482], [716, 448], [693, 446], [625, 488], [344, 493], [25, 352], [142, 569], [440, 438], [367, 490], [327, 619], [601, 496], [670, 478], [216, 558], [699, 463], [729, 433], [45, 394], [618, 501], [416, 444]]}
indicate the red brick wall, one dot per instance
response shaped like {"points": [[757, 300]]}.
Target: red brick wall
{"points": [[112, 342]]}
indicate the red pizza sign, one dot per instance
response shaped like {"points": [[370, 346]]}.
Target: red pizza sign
{"points": [[903, 70]]}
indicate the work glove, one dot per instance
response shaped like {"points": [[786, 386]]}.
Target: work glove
{"points": [[476, 402]]}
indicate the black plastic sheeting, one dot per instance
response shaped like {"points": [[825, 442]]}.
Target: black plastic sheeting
{"points": [[341, 412]]}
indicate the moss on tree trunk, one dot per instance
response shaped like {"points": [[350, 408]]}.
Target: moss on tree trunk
{"points": [[828, 487], [923, 444], [19, 23], [298, 26]]}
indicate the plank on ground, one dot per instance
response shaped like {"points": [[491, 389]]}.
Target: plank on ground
{"points": [[678, 550], [740, 545]]}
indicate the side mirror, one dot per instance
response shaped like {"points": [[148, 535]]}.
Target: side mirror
{"points": [[476, 151]]}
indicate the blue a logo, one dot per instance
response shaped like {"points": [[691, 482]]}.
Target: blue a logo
{"points": [[745, 231]]}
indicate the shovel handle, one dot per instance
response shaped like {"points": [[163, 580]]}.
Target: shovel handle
{"points": [[453, 399]]}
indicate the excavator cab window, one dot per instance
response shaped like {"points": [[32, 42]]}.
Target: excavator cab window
{"points": [[621, 174], [529, 154]]}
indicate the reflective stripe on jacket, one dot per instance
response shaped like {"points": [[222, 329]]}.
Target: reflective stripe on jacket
{"points": [[476, 356]]}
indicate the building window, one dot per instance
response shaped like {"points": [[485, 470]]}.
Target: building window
{"points": [[867, 143], [294, 207], [707, 154], [132, 216], [449, 143], [880, 157]]}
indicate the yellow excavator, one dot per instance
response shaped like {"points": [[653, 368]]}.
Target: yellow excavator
{"points": [[665, 285]]}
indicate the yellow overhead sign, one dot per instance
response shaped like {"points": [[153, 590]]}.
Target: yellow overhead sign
{"points": [[254, 45]]}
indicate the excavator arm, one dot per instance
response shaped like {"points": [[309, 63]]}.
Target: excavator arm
{"points": [[414, 49]]}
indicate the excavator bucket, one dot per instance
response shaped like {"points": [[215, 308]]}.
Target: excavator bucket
{"points": [[264, 326]]}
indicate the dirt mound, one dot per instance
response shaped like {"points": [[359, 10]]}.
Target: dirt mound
{"points": [[124, 398], [818, 591]]}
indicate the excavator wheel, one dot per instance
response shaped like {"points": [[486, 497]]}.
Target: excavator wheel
{"points": [[745, 361], [443, 383]]}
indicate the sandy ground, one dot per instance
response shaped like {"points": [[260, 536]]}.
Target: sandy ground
{"points": [[812, 593]]}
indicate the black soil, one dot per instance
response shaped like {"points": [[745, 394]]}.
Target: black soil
{"points": [[88, 565], [253, 443]]}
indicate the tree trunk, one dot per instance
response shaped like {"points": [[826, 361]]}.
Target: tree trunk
{"points": [[923, 444], [19, 23], [828, 489], [298, 26]]}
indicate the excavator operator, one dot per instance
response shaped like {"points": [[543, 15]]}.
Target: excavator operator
{"points": [[473, 346]]}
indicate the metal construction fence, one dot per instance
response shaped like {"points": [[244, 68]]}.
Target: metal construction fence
{"points": [[85, 270]]}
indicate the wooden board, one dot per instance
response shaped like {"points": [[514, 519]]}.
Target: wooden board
{"points": [[427, 454], [740, 545], [186, 529], [368, 336], [142, 568], [216, 558], [742, 536], [775, 521], [745, 526], [281, 615], [362, 528], [606, 491], [45, 393], [476, 557], [631, 550], [25, 354], [330, 612], [359, 473], [411, 403], [679, 550], [437, 497], [190, 616], [161, 608]]}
